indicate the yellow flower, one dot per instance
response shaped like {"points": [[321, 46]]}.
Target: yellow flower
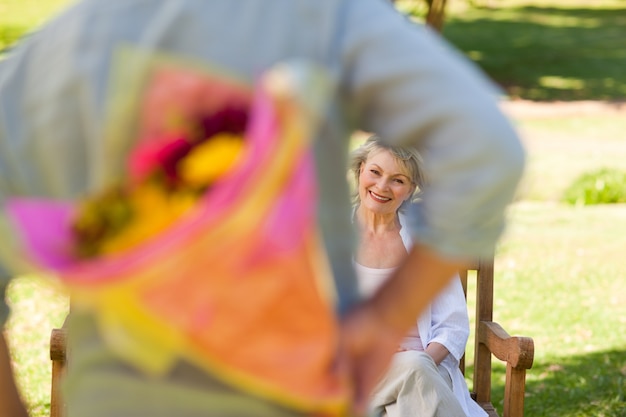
{"points": [[154, 210], [211, 159]]}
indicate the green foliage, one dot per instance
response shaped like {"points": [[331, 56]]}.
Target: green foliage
{"points": [[603, 186]]}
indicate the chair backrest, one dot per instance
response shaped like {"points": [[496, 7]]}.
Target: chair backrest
{"points": [[490, 339], [484, 312]]}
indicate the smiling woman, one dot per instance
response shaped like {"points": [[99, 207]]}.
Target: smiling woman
{"points": [[426, 365], [386, 179]]}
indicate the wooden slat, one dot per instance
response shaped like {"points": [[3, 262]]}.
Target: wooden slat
{"points": [[58, 353], [57, 344], [514, 391], [488, 407], [484, 312]]}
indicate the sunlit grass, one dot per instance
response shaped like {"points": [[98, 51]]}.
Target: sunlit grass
{"points": [[37, 308], [562, 148], [561, 279]]}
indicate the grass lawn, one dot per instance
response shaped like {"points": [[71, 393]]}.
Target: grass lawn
{"points": [[561, 279], [560, 270], [36, 308], [561, 149]]}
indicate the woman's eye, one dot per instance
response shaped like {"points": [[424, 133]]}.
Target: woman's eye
{"points": [[399, 181], [375, 171]]}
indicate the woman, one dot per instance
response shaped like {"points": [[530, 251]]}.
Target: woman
{"points": [[424, 377]]}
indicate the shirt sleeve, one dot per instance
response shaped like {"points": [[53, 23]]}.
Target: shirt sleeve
{"points": [[5, 175], [449, 319], [40, 155], [412, 88]]}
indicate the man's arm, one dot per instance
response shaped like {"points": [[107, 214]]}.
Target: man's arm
{"points": [[10, 402]]}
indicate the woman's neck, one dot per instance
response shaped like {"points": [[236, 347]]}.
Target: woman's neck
{"points": [[375, 223]]}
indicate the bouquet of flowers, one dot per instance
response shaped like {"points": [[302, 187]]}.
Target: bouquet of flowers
{"points": [[202, 243]]}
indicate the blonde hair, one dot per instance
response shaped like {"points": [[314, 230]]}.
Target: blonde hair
{"points": [[408, 157]]}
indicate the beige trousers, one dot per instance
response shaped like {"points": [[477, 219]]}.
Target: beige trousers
{"points": [[415, 387]]}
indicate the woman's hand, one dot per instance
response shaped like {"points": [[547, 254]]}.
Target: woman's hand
{"points": [[437, 351]]}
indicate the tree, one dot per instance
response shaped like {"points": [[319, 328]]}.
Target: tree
{"points": [[436, 14]]}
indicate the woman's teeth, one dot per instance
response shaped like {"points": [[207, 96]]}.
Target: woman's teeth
{"points": [[379, 197]]}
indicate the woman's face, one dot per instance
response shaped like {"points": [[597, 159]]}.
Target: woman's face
{"points": [[384, 184]]}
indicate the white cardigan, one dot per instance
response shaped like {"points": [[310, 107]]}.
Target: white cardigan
{"points": [[446, 321]]}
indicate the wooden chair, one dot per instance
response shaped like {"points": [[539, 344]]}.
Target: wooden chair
{"points": [[58, 356], [490, 339]]}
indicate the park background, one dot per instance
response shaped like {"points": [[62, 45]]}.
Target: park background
{"points": [[561, 265]]}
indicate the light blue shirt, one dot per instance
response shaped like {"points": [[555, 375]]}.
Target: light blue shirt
{"points": [[392, 78]]}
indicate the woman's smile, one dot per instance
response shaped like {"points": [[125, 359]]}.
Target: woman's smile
{"points": [[379, 198]]}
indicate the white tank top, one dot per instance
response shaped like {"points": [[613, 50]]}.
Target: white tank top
{"points": [[369, 280]]}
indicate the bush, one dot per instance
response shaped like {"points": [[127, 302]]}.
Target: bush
{"points": [[603, 186]]}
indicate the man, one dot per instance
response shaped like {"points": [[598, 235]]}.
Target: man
{"points": [[391, 77]]}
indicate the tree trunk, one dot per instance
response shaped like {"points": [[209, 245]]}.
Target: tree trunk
{"points": [[436, 14]]}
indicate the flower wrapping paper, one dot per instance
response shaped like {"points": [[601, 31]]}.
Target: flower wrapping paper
{"points": [[238, 282]]}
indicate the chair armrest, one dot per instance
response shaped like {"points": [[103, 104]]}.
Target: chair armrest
{"points": [[516, 351]]}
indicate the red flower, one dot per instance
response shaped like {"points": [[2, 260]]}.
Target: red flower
{"points": [[160, 154], [228, 120]]}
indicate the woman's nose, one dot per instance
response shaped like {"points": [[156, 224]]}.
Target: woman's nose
{"points": [[383, 183]]}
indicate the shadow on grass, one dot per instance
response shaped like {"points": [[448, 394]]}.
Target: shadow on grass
{"points": [[547, 53], [576, 386]]}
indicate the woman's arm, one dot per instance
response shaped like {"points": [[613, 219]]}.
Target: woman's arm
{"points": [[437, 351], [449, 321]]}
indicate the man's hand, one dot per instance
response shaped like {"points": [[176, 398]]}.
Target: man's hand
{"points": [[367, 346]]}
